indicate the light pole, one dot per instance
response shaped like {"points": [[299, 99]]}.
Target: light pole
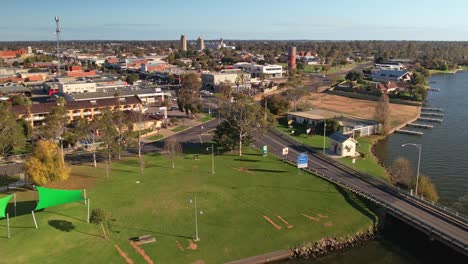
{"points": [[212, 158], [324, 131], [196, 219], [419, 146]]}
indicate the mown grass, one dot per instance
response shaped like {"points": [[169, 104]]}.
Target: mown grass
{"points": [[233, 201], [179, 128]]}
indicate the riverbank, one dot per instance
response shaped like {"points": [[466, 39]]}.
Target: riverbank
{"points": [[461, 68]]}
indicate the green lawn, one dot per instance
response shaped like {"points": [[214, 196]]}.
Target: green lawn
{"points": [[315, 141], [155, 137], [179, 128], [205, 118], [368, 164], [233, 201]]}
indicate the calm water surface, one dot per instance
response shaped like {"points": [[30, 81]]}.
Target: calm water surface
{"points": [[445, 147]]}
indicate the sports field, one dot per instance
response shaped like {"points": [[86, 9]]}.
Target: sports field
{"points": [[251, 205]]}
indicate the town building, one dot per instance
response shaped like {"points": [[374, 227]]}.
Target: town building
{"points": [[342, 145], [76, 71], [146, 95], [154, 66], [256, 70], [76, 87], [183, 43], [389, 87], [348, 125], [10, 54], [6, 92], [200, 43], [392, 66], [76, 109], [239, 80], [391, 76]]}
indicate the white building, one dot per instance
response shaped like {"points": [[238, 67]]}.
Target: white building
{"points": [[343, 146], [77, 87], [238, 79], [391, 66], [256, 70]]}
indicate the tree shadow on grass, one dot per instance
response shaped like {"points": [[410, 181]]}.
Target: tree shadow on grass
{"points": [[362, 205], [293, 189], [270, 171], [72, 217], [62, 225], [246, 160], [151, 231]]}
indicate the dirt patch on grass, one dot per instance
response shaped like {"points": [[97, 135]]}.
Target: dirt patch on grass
{"points": [[328, 224], [74, 182], [272, 222], [141, 252], [124, 255], [311, 217], [242, 169], [361, 108], [322, 216], [285, 222], [192, 245], [179, 246], [200, 261]]}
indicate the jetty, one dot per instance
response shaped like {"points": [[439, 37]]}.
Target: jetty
{"points": [[432, 109], [409, 132], [428, 119], [432, 114], [420, 125]]}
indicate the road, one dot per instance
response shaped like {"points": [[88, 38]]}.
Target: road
{"points": [[434, 220]]}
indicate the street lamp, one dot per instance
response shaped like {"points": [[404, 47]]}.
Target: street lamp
{"points": [[324, 131], [419, 146], [212, 158], [196, 219]]}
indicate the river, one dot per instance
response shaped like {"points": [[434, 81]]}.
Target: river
{"points": [[444, 159], [444, 155]]}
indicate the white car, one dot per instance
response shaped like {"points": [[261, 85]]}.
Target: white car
{"points": [[205, 92]]}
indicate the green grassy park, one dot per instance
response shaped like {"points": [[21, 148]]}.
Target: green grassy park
{"points": [[179, 128], [366, 164], [300, 133], [155, 137], [234, 202]]}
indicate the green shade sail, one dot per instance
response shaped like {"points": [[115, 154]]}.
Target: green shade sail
{"points": [[3, 205], [54, 197]]}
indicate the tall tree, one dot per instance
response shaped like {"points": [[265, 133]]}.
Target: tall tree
{"points": [[187, 96], [11, 132], [86, 131], [427, 189], [382, 113], [402, 173], [55, 123], [46, 164], [173, 149], [245, 118], [108, 134]]}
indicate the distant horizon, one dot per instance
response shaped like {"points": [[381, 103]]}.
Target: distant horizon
{"points": [[278, 40], [334, 20]]}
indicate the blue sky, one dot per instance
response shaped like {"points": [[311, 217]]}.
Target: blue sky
{"points": [[236, 19]]}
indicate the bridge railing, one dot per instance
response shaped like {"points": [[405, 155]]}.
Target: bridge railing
{"points": [[375, 181], [444, 236]]}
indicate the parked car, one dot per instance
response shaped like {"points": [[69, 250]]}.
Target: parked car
{"points": [[205, 92]]}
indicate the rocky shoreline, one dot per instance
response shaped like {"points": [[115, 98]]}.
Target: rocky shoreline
{"points": [[327, 245]]}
